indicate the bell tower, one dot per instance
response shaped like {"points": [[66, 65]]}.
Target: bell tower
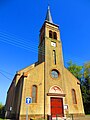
{"points": [[50, 46], [50, 52]]}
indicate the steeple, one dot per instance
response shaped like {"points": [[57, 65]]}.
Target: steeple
{"points": [[48, 15]]}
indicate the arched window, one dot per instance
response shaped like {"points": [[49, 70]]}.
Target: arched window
{"points": [[54, 56], [50, 34], [55, 35], [74, 96], [34, 94]]}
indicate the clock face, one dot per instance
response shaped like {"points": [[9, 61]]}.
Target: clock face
{"points": [[54, 74], [53, 44]]}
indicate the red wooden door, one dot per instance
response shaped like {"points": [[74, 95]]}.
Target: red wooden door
{"points": [[57, 107]]}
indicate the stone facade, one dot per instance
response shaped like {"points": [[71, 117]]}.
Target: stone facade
{"points": [[53, 83]]}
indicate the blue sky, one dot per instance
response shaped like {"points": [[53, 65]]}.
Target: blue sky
{"points": [[20, 22]]}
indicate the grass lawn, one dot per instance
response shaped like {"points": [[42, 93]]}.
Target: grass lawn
{"points": [[2, 119]]}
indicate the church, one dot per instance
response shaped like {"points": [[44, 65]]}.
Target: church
{"points": [[52, 90]]}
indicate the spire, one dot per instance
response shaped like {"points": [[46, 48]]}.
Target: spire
{"points": [[48, 16]]}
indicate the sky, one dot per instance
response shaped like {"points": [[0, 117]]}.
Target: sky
{"points": [[20, 23]]}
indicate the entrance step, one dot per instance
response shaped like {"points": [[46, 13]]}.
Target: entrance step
{"points": [[61, 118]]}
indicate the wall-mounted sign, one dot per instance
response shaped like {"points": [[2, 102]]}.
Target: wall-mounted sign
{"points": [[65, 107]]}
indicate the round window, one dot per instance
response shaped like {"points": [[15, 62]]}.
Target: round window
{"points": [[54, 74]]}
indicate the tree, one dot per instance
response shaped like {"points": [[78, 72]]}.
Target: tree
{"points": [[83, 74], [86, 87], [1, 105], [2, 110], [75, 69]]}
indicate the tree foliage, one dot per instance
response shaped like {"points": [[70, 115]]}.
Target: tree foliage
{"points": [[2, 110], [75, 69], [1, 105], [86, 87], [83, 74]]}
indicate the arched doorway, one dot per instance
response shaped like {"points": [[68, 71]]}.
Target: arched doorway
{"points": [[56, 101]]}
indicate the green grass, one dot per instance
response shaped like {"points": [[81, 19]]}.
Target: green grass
{"points": [[2, 119]]}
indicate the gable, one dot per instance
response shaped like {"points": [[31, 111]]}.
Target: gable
{"points": [[70, 75]]}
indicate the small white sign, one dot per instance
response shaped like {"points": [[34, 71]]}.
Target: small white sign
{"points": [[10, 108], [65, 107], [28, 100]]}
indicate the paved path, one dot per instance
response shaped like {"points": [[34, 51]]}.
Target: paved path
{"points": [[87, 117]]}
